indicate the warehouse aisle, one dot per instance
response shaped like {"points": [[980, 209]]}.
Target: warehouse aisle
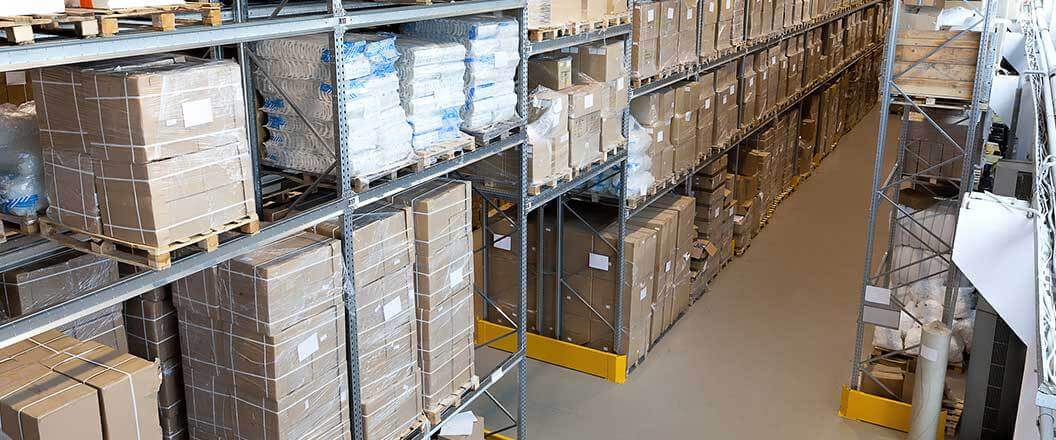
{"points": [[763, 353]]}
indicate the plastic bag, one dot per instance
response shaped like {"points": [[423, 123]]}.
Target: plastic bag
{"points": [[21, 190]]}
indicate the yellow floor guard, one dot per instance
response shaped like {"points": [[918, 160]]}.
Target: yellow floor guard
{"points": [[552, 351], [864, 407], [488, 435]]}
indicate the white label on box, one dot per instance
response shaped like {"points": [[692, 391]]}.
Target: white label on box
{"points": [[15, 78], [588, 101], [773, 60], [707, 103], [689, 14], [599, 262], [645, 293], [392, 308], [667, 266], [670, 13], [929, 353], [731, 212], [596, 51], [751, 81], [687, 115], [308, 347], [716, 214], [705, 267], [724, 98], [764, 75], [197, 112], [660, 136], [649, 15], [878, 295], [729, 4], [711, 7], [619, 83], [171, 122], [504, 242], [454, 277]]}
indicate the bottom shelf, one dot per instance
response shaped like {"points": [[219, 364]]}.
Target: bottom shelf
{"points": [[864, 407], [612, 367]]}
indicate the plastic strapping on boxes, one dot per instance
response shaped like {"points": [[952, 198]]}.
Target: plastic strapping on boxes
{"points": [[21, 433]]}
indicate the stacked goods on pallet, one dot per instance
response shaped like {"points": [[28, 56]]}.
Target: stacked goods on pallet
{"points": [[604, 63], [672, 217], [21, 190], [684, 126], [639, 165], [263, 343], [654, 112], [578, 11], [667, 33], [167, 145], [833, 46], [444, 288], [948, 69], [540, 13], [15, 87], [153, 333], [492, 57], [54, 386], [55, 280], [747, 81], [808, 134], [752, 169], [830, 121], [727, 14], [503, 260], [8, 9], [706, 138], [726, 105], [431, 78], [763, 162], [645, 30], [116, 4], [588, 296], [787, 157], [812, 56], [795, 55], [763, 98], [380, 139], [737, 24], [709, 20], [714, 219], [584, 123], [688, 30], [928, 148]]}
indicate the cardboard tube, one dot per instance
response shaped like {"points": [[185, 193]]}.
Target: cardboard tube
{"points": [[930, 381]]}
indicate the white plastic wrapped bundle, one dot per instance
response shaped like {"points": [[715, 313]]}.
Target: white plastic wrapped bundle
{"points": [[639, 164], [965, 329], [432, 93], [492, 57], [887, 338], [379, 136], [21, 192]]}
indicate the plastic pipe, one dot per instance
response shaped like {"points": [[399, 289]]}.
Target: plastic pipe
{"points": [[930, 381]]}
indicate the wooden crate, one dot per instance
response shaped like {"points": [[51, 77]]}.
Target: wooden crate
{"points": [[948, 73]]}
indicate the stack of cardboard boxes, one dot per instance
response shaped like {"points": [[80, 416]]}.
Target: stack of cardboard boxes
{"points": [[654, 112], [503, 260], [663, 35], [672, 219], [263, 342], [153, 333], [833, 45], [160, 141], [706, 139], [52, 281], [56, 387], [15, 88], [763, 76], [684, 126], [645, 30], [443, 266], [753, 167], [747, 80], [709, 20], [713, 219], [577, 11], [726, 104], [736, 16]]}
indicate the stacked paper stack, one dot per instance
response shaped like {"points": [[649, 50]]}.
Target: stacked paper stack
{"points": [[431, 89]]}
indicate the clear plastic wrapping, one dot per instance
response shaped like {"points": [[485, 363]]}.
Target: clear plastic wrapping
{"points": [[21, 192], [639, 164], [54, 280], [69, 183]]}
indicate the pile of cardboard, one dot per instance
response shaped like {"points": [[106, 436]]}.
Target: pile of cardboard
{"points": [[56, 387], [15, 87], [52, 281], [153, 333], [263, 343], [562, 12], [503, 262], [726, 104], [752, 171], [672, 217], [148, 150], [663, 36], [443, 285], [713, 220]]}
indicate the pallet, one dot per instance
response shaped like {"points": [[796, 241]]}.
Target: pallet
{"points": [[435, 415], [497, 132], [15, 224], [162, 18], [553, 182], [556, 31], [22, 29], [937, 102], [152, 257], [445, 150], [413, 430], [634, 202], [602, 158], [665, 74], [364, 182]]}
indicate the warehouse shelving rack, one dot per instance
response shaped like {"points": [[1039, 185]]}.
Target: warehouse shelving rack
{"points": [[611, 366], [877, 304], [245, 24]]}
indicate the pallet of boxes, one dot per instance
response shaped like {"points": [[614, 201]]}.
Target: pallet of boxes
{"points": [[144, 155], [672, 218], [714, 221], [663, 39], [752, 170], [654, 112]]}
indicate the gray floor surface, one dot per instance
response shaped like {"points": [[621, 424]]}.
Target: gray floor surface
{"points": [[762, 355]]}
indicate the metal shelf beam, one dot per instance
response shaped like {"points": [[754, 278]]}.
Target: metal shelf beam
{"points": [[538, 47]]}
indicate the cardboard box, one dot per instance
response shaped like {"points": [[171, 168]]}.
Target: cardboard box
{"points": [[69, 184], [51, 281], [584, 139], [553, 71], [687, 47], [687, 97], [152, 328], [38, 403], [645, 22], [650, 109], [709, 11], [141, 109], [619, 99], [707, 40], [615, 7], [725, 76], [565, 11], [602, 62], [723, 35], [754, 162], [686, 152], [644, 57], [688, 16], [669, 17], [746, 188], [15, 87], [611, 131], [667, 52], [584, 99], [683, 126]]}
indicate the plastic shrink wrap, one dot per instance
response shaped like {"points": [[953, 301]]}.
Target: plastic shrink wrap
{"points": [[431, 89], [492, 57], [379, 135], [639, 178], [21, 192]]}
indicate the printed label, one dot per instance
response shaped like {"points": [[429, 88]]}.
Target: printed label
{"points": [[670, 13], [716, 214], [308, 347], [455, 276], [929, 353], [197, 112], [644, 293], [660, 136], [707, 103], [599, 262], [504, 242], [619, 83], [729, 4], [15, 78], [588, 101], [689, 14], [667, 266], [392, 308], [711, 7], [649, 15], [731, 212], [688, 114]]}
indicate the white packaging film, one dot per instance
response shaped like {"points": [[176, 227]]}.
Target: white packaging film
{"points": [[301, 67], [639, 164], [491, 60], [431, 88], [21, 192]]}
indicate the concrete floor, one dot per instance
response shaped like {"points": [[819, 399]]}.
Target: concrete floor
{"points": [[762, 354]]}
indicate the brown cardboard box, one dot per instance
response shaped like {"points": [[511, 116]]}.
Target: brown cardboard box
{"points": [[584, 139], [15, 88], [725, 76], [644, 57], [40, 404], [565, 11], [585, 98], [153, 331], [650, 109], [141, 109], [688, 16], [615, 7], [709, 11], [667, 52], [683, 125], [687, 47], [754, 162], [645, 22], [687, 97], [723, 35], [106, 327], [747, 103], [618, 96], [602, 62], [54, 280], [160, 202], [669, 18], [611, 131], [686, 152], [69, 184], [707, 40], [553, 71], [745, 188], [717, 166]]}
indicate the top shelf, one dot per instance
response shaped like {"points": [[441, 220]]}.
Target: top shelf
{"points": [[58, 51], [538, 47]]}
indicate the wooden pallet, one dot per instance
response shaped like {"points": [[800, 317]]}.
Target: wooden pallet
{"points": [[553, 182], [665, 74], [496, 132], [445, 150], [15, 224], [153, 257], [162, 18], [435, 414], [413, 430], [364, 182], [22, 29], [633, 203], [556, 31]]}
